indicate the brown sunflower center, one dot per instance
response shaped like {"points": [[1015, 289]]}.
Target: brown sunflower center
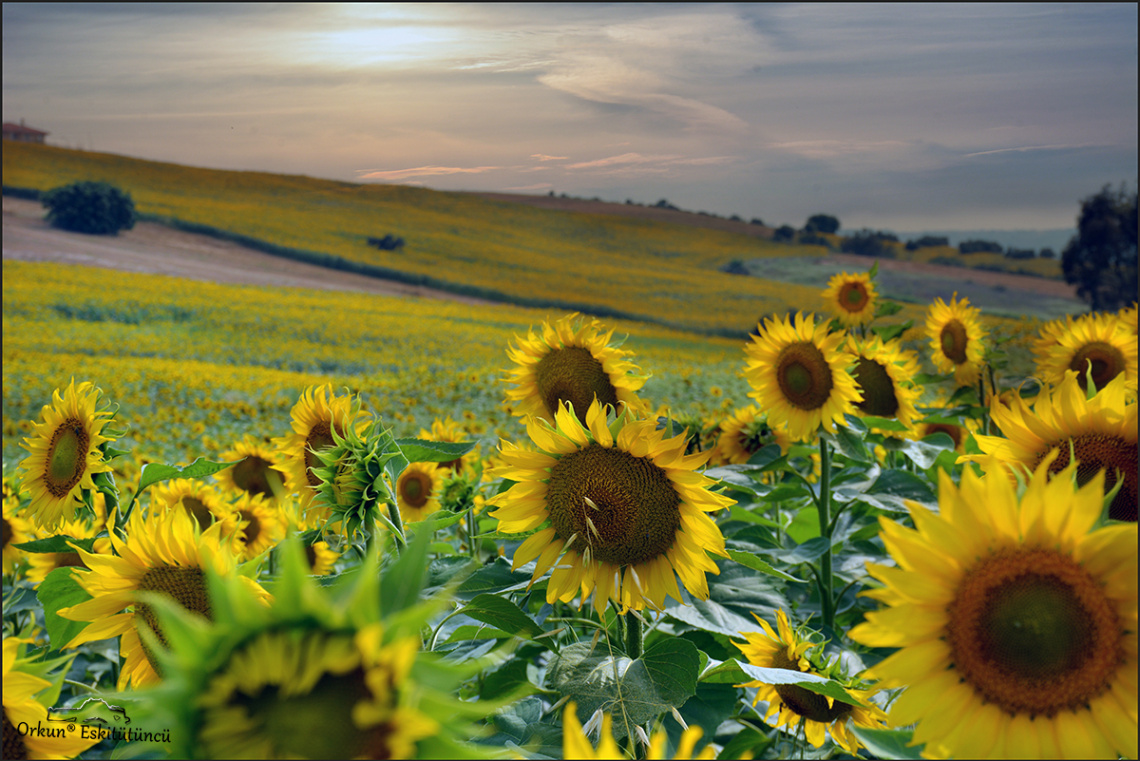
{"points": [[68, 560], [67, 457], [1032, 632], [754, 436], [1106, 360], [954, 340], [804, 375], [188, 588], [572, 374], [1094, 452], [415, 488], [320, 437], [878, 389], [197, 510], [255, 475], [13, 743], [253, 527], [810, 705], [5, 531], [853, 296], [632, 514]]}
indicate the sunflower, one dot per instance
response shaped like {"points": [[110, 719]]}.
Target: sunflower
{"points": [[575, 743], [1101, 343], [794, 704], [621, 505], [314, 418], [16, 530], [851, 298], [418, 490], [744, 433], [448, 430], [571, 361], [957, 338], [1128, 318], [1016, 621], [1100, 432], [64, 453], [260, 525], [321, 558], [40, 564], [798, 373], [165, 553], [884, 372], [959, 432], [257, 472], [21, 685], [313, 694], [197, 498]]}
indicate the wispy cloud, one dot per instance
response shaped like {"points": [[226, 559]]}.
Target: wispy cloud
{"points": [[422, 171], [1027, 148], [544, 157], [630, 160]]}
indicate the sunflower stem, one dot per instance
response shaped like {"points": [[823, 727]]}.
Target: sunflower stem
{"points": [[397, 526], [632, 635], [827, 600], [471, 532]]}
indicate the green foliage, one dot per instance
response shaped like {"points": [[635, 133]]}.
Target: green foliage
{"points": [[821, 223], [867, 242], [90, 207], [1101, 258]]}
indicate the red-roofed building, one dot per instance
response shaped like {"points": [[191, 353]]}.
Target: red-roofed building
{"points": [[23, 133]]}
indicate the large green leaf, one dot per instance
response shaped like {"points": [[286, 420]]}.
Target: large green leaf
{"points": [[59, 543], [60, 590], [154, 472], [633, 691], [751, 561], [503, 614], [421, 450], [888, 743], [493, 578], [733, 671]]}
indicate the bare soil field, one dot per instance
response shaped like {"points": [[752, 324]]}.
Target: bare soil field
{"points": [[155, 249]]}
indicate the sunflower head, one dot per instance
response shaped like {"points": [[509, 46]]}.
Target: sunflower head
{"points": [[619, 503], [1014, 614], [1096, 346], [956, 339], [799, 375], [354, 476], [64, 453], [884, 372], [192, 495], [1065, 425], [418, 490], [257, 471], [447, 430], [744, 433], [794, 704], [851, 297], [14, 530], [321, 673], [571, 360]]}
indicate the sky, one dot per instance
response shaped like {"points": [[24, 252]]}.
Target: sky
{"points": [[907, 117]]}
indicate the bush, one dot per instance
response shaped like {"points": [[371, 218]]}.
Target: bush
{"points": [[870, 243], [90, 207], [821, 223], [1020, 253], [813, 239], [979, 246], [927, 241], [784, 234], [388, 243]]}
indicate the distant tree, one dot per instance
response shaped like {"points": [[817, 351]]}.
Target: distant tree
{"points": [[927, 241], [867, 242], [1101, 258], [757, 221], [813, 239], [1020, 253], [1048, 253], [90, 207], [784, 234], [821, 223], [979, 246], [735, 218], [388, 243]]}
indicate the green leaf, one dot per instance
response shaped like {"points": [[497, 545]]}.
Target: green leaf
{"points": [[422, 450], [401, 582], [851, 444], [633, 691], [502, 613], [756, 564], [493, 578], [738, 513], [883, 423], [922, 453], [59, 543], [434, 522], [153, 472], [733, 671], [905, 485], [60, 590], [888, 743]]}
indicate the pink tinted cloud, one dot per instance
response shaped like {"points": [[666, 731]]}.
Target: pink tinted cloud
{"points": [[424, 171], [544, 157]]}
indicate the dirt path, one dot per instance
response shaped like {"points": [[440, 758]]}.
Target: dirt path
{"points": [[154, 249]]}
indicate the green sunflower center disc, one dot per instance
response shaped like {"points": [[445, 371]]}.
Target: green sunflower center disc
{"points": [[635, 513], [572, 374], [1097, 451], [320, 437], [954, 341], [878, 389], [67, 457], [1033, 633], [318, 723], [1107, 362], [804, 375], [810, 705], [255, 475], [415, 489], [853, 297], [188, 588]]}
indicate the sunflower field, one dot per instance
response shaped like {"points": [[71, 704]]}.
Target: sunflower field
{"points": [[246, 522]]}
